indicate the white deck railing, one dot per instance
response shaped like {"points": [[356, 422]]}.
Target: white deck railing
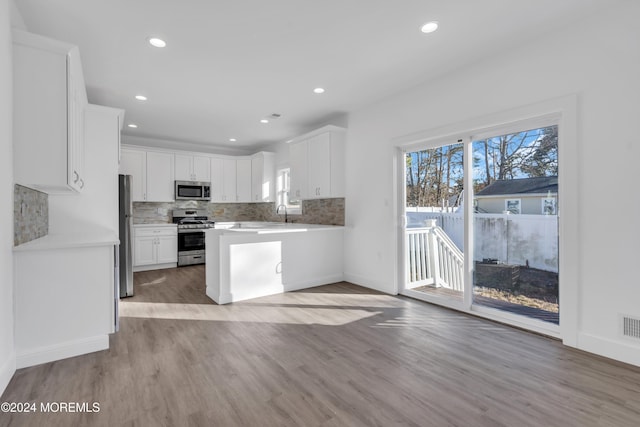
{"points": [[433, 259]]}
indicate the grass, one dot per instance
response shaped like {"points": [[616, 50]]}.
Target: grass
{"points": [[520, 298]]}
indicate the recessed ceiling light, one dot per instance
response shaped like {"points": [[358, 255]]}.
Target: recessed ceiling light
{"points": [[141, 97], [232, 140], [132, 125], [156, 42], [318, 90], [264, 121], [429, 27]]}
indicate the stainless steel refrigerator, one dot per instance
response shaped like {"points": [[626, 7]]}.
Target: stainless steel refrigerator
{"points": [[126, 229]]}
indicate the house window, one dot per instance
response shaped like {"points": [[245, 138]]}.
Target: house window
{"points": [[512, 206], [282, 193]]}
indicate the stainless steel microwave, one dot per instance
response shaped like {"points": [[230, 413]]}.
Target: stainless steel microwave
{"points": [[191, 190]]}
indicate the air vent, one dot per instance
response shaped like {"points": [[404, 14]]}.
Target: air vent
{"points": [[630, 327]]}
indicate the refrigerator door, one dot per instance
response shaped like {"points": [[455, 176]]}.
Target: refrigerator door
{"points": [[126, 221]]}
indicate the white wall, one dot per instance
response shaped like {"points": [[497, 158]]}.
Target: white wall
{"points": [[600, 66], [7, 348]]}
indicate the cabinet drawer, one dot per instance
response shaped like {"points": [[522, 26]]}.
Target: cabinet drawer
{"points": [[156, 232]]}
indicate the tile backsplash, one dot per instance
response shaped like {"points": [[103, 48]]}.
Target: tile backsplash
{"points": [[30, 214], [319, 211]]}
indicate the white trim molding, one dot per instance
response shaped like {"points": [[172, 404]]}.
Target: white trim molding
{"points": [[62, 351], [7, 369]]}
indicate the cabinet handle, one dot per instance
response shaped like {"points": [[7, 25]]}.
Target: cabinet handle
{"points": [[76, 177]]}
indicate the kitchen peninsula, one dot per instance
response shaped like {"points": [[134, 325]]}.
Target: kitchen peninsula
{"points": [[253, 259]]}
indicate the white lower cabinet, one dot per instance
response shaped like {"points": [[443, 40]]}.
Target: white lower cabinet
{"points": [[155, 247], [64, 298]]}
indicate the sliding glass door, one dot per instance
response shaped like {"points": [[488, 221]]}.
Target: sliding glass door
{"points": [[435, 231], [496, 193], [515, 226]]}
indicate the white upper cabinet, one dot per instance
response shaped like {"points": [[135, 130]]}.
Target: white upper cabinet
{"points": [[153, 174], [262, 177], [317, 164], [160, 177], [48, 114], [232, 179], [298, 154], [192, 168], [217, 180], [243, 180], [229, 193], [134, 163]]}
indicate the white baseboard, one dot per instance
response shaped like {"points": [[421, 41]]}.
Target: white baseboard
{"points": [[613, 349], [7, 370], [61, 351], [318, 281], [154, 267], [367, 282]]}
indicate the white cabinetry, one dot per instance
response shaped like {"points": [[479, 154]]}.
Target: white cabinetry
{"points": [[233, 179], [155, 247], [243, 180], [160, 180], [298, 166], [192, 168], [217, 179], [262, 177], [48, 111], [229, 180], [64, 297], [317, 164], [153, 176], [134, 163]]}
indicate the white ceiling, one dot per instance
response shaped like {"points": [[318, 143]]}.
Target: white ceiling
{"points": [[230, 63]]}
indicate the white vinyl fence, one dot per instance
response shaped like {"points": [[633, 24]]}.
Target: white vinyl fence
{"points": [[511, 239]]}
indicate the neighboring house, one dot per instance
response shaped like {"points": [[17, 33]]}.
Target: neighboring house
{"points": [[532, 196]]}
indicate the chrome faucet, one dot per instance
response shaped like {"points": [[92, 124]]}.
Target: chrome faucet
{"points": [[285, 211]]}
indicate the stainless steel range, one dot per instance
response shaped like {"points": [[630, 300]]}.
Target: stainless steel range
{"points": [[191, 225]]}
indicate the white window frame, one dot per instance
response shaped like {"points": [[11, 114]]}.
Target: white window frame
{"points": [[283, 188]]}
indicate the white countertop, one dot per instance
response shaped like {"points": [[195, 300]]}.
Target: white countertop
{"points": [[99, 237], [272, 227], [162, 225]]}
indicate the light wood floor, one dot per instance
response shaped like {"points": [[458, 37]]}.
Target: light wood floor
{"points": [[336, 355]]}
